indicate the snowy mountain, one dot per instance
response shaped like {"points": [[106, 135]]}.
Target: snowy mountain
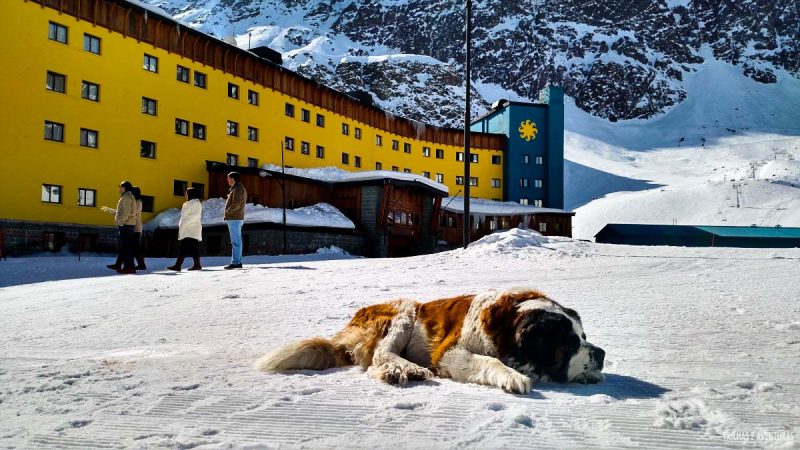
{"points": [[675, 108], [616, 59]]}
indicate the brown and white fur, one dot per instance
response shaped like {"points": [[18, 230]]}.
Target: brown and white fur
{"points": [[507, 339]]}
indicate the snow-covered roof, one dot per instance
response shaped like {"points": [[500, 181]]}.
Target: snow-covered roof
{"points": [[494, 208], [336, 175], [319, 215]]}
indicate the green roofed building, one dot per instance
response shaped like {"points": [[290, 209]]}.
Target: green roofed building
{"points": [[699, 236]]}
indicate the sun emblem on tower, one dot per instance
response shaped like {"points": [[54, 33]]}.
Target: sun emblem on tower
{"points": [[528, 130]]}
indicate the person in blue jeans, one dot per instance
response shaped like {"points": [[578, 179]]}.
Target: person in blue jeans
{"points": [[234, 216]]}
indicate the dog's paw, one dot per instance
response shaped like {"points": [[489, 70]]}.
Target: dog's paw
{"points": [[398, 374], [516, 383]]}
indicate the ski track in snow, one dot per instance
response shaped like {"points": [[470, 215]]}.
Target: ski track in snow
{"points": [[702, 349]]}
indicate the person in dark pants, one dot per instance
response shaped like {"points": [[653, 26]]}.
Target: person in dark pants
{"points": [[136, 240], [125, 218], [190, 230]]}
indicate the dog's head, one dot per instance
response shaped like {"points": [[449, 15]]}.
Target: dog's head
{"points": [[549, 343]]}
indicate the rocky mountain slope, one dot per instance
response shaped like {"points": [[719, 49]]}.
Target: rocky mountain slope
{"points": [[617, 59]]}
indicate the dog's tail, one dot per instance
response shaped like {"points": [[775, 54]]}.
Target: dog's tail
{"points": [[315, 354]]}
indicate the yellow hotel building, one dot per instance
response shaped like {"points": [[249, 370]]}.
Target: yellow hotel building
{"points": [[102, 91]]}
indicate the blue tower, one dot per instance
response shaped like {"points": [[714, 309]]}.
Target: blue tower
{"points": [[533, 165]]}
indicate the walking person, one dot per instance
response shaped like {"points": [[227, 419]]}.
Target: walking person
{"points": [[190, 230], [138, 251], [125, 218], [234, 216]]}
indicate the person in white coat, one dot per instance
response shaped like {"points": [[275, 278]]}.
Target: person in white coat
{"points": [[190, 230]]}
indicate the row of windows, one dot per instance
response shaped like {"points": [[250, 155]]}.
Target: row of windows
{"points": [[305, 147], [60, 33], [305, 116], [525, 182], [199, 130], [57, 82], [232, 159], [54, 131], [52, 193]]}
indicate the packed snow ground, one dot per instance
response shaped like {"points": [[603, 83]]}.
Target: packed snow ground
{"points": [[702, 344]]}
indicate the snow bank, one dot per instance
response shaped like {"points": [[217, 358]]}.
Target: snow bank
{"points": [[319, 215], [334, 174]]}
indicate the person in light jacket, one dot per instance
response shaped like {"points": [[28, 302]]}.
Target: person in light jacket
{"points": [[234, 216], [125, 218], [136, 239], [190, 230]]}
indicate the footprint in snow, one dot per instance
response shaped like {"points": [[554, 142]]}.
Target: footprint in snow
{"points": [[495, 406], [310, 391], [188, 387]]}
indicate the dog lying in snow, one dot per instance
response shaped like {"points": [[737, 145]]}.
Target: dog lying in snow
{"points": [[507, 339]]}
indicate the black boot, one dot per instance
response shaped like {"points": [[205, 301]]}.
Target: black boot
{"points": [[117, 264], [196, 265], [177, 266], [140, 263]]}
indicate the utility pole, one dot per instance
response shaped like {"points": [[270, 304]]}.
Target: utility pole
{"points": [[467, 156], [283, 192], [738, 188]]}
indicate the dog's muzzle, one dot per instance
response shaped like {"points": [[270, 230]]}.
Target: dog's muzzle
{"points": [[597, 357]]}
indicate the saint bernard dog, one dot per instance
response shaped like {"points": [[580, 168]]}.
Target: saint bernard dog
{"points": [[508, 339]]}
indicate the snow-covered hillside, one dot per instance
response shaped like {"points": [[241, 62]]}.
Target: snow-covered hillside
{"points": [[697, 355], [686, 166]]}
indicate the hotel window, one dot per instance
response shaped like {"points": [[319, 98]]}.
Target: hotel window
{"points": [[252, 97], [358, 133], [473, 181], [542, 227], [51, 193], [537, 203], [182, 127], [90, 91], [288, 110], [357, 161], [539, 160], [148, 203], [200, 79], [150, 63], [440, 178], [288, 143], [233, 91], [524, 182], [53, 131], [233, 128], [149, 106], [523, 201], [537, 183], [147, 149], [252, 134], [305, 148], [496, 159], [345, 158], [57, 33], [199, 131], [395, 169], [305, 115], [378, 166], [459, 180], [459, 156], [473, 157], [56, 82], [179, 187], [395, 145], [91, 44], [426, 152], [86, 197], [495, 182], [345, 129], [201, 189], [378, 140], [320, 120], [426, 174], [232, 159], [439, 153], [406, 147], [252, 162], [182, 74], [320, 151], [406, 170], [88, 138]]}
